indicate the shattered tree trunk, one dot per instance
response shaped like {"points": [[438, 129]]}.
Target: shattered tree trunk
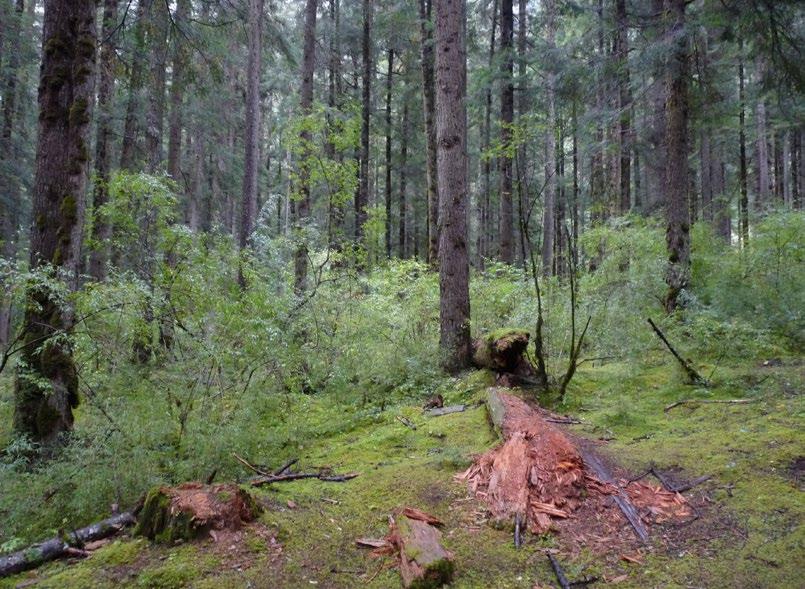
{"points": [[64, 545], [424, 562], [503, 352], [192, 510]]}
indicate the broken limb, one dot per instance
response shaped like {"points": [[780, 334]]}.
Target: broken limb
{"points": [[693, 401], [406, 422], [66, 545], [693, 376], [295, 476], [560, 574]]}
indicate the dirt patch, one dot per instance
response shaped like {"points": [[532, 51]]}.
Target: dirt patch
{"points": [[796, 471]]}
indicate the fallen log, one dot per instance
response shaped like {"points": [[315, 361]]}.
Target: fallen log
{"points": [[694, 401], [446, 410], [295, 476], [66, 545], [424, 562], [693, 376]]}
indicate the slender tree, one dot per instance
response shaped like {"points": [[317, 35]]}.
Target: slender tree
{"points": [[46, 387], [506, 120], [252, 135], [677, 234], [306, 105], [451, 125], [101, 229], [362, 195], [389, 88], [624, 104], [429, 108], [743, 204], [549, 214], [132, 128]]}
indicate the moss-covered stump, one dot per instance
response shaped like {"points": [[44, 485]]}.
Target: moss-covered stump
{"points": [[192, 510], [503, 351], [424, 562]]}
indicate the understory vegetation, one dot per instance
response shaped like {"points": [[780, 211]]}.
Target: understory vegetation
{"points": [[269, 375]]}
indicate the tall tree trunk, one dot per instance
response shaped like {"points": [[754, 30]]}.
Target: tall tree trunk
{"points": [[306, 105], [46, 387], [429, 106], [575, 205], [362, 199], [451, 76], [177, 89], [624, 104], [506, 120], [656, 155], [336, 209], [10, 201], [130, 152], [155, 119], [101, 228], [389, 87], [252, 135], [485, 236], [677, 235], [762, 158], [743, 204], [796, 163], [548, 218], [403, 181]]}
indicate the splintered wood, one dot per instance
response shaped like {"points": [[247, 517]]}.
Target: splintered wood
{"points": [[542, 475]]}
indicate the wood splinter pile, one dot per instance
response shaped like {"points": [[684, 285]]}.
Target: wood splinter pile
{"points": [[539, 477]]}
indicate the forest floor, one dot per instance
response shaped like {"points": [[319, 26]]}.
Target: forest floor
{"points": [[750, 533]]}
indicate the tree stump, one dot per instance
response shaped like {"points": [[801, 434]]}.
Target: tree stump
{"points": [[503, 351], [192, 510], [424, 562]]}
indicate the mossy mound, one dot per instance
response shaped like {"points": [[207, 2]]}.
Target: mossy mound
{"points": [[501, 350], [192, 510]]}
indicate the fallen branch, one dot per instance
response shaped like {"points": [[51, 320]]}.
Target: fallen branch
{"points": [[693, 483], [565, 421], [295, 476], [66, 545], [406, 422], [560, 574], [693, 376], [446, 410], [251, 467], [284, 468], [621, 500], [725, 401]]}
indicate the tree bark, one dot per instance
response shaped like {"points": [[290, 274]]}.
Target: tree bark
{"points": [[506, 120], [624, 104], [46, 387], [743, 205], [485, 234], [389, 87], [402, 234], [549, 214], [155, 118], [252, 135], [429, 106], [362, 199], [101, 229], [306, 105], [677, 234], [130, 152], [451, 124], [177, 89]]}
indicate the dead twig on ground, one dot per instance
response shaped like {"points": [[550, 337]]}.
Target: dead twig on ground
{"points": [[724, 401]]}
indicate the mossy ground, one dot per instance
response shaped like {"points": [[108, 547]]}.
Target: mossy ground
{"points": [[747, 449]]}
